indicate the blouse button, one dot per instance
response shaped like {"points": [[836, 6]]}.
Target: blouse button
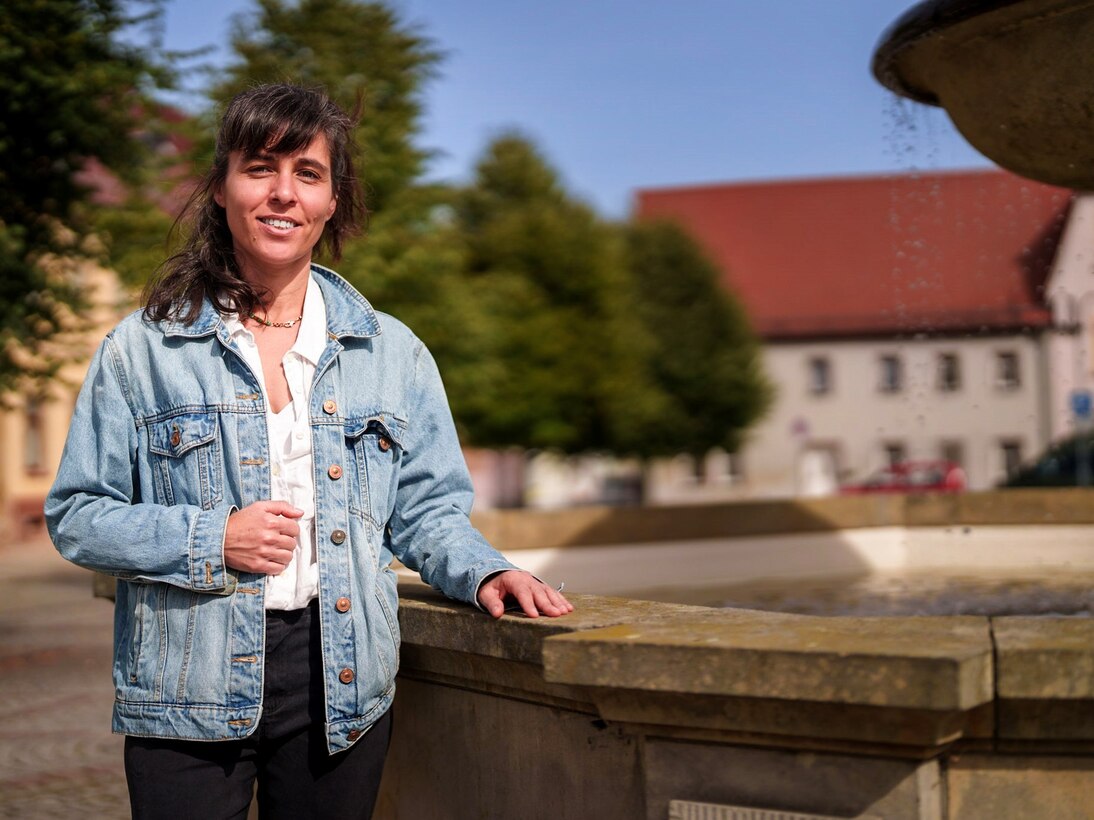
{"points": [[338, 536], [334, 471], [353, 734], [346, 675], [385, 443], [176, 437], [342, 604], [330, 406]]}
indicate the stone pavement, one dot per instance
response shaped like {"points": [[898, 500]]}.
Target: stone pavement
{"points": [[58, 757]]}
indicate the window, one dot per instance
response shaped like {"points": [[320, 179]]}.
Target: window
{"points": [[1011, 452], [685, 469], [892, 374], [33, 441], [952, 451], [735, 467], [1007, 375], [949, 372], [820, 376], [723, 467], [698, 470], [895, 453]]}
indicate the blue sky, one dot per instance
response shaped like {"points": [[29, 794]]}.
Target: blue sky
{"points": [[627, 94]]}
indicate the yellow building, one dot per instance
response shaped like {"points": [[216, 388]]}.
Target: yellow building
{"points": [[33, 427]]}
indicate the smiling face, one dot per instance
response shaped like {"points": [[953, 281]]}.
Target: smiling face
{"points": [[277, 206]]}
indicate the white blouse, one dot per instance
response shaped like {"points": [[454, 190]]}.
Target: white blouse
{"points": [[291, 475]]}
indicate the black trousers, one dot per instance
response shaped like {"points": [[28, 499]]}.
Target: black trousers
{"points": [[286, 756]]}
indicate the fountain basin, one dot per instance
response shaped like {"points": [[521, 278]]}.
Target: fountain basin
{"points": [[1015, 76], [634, 708], [640, 709], [1015, 552]]}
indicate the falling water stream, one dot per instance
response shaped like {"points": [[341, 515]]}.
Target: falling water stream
{"points": [[914, 134]]}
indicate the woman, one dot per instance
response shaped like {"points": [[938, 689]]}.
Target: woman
{"points": [[247, 456]]}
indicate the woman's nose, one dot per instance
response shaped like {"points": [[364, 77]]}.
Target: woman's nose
{"points": [[283, 189]]}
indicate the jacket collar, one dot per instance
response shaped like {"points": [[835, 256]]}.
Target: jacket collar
{"points": [[311, 338], [348, 312]]}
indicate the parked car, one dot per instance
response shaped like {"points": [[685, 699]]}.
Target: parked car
{"points": [[1061, 465], [935, 476]]}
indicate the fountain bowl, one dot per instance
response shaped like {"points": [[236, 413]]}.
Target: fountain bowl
{"points": [[1015, 76]]}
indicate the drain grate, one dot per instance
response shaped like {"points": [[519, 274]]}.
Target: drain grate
{"points": [[688, 810]]}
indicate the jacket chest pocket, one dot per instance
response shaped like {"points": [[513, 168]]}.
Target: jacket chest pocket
{"points": [[186, 458], [376, 450]]}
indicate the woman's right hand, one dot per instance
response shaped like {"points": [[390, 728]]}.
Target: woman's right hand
{"points": [[261, 537]]}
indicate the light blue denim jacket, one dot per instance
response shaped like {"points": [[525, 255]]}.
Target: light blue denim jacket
{"points": [[169, 436]]}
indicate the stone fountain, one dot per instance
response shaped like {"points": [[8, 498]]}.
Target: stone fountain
{"points": [[637, 709]]}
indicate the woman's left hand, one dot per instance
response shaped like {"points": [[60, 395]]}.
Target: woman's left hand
{"points": [[533, 595]]}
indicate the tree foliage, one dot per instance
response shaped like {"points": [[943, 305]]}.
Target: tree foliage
{"points": [[70, 89], [554, 329], [135, 234], [706, 356], [358, 51], [562, 365]]}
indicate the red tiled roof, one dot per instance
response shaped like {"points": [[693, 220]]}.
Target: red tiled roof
{"points": [[944, 252]]}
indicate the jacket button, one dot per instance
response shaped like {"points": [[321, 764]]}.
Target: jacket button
{"points": [[330, 407], [353, 735], [342, 604], [334, 471], [338, 536], [176, 437], [385, 443], [346, 675]]}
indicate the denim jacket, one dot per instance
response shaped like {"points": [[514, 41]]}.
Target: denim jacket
{"points": [[169, 437]]}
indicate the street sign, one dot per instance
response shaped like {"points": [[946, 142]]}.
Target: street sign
{"points": [[1081, 404]]}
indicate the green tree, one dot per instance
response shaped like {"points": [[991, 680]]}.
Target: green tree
{"points": [[706, 356], [135, 234], [70, 88], [368, 60], [357, 51], [413, 261], [362, 54], [413, 264], [560, 361]]}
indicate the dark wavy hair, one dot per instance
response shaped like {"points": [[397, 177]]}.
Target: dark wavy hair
{"points": [[279, 119]]}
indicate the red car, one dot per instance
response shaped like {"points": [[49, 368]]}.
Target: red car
{"points": [[937, 476]]}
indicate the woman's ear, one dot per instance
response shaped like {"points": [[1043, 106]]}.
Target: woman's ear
{"points": [[218, 195], [331, 209]]}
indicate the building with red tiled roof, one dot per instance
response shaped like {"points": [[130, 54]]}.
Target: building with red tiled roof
{"points": [[878, 255], [907, 316]]}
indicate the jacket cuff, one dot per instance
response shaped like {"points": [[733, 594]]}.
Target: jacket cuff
{"points": [[208, 572]]}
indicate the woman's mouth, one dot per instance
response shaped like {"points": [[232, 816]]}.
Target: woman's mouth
{"points": [[277, 222]]}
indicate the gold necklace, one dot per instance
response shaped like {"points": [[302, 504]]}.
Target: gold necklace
{"points": [[268, 323]]}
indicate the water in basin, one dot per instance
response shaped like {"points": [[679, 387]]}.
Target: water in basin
{"points": [[1039, 592]]}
